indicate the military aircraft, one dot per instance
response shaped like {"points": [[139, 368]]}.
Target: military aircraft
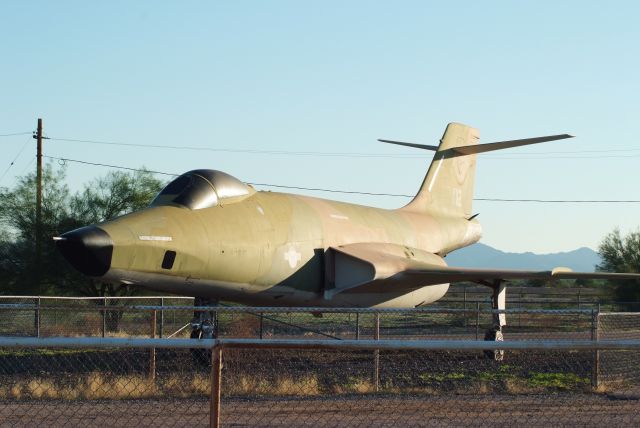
{"points": [[209, 235]]}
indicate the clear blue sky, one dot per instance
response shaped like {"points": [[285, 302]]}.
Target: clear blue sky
{"points": [[333, 76]]}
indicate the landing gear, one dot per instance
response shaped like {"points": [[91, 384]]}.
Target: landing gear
{"points": [[494, 334], [204, 325], [498, 303]]}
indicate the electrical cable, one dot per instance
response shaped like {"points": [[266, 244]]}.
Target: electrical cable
{"points": [[16, 133], [316, 189], [109, 166], [247, 151], [506, 156], [14, 160], [31, 162]]}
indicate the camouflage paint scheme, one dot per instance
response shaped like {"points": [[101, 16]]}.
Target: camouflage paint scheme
{"points": [[277, 249]]}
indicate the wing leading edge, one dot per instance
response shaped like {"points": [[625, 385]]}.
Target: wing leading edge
{"points": [[457, 274]]}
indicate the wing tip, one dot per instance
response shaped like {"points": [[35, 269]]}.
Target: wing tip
{"points": [[555, 271]]}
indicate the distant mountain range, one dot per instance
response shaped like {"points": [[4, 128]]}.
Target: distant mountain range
{"points": [[480, 255]]}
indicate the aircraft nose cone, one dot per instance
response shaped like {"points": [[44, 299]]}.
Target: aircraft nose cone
{"points": [[88, 249]]}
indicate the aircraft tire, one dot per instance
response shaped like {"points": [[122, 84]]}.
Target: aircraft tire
{"points": [[201, 357]]}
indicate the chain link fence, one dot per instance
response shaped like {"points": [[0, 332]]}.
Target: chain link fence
{"points": [[75, 362], [617, 367], [310, 382], [170, 317]]}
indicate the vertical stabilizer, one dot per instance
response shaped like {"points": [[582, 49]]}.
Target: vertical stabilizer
{"points": [[448, 187]]}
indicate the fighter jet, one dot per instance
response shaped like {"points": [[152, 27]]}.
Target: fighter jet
{"points": [[209, 235]]}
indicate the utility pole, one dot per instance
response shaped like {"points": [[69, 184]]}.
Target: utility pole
{"points": [[38, 137]]}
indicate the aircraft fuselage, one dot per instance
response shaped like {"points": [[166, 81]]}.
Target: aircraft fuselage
{"points": [[269, 248]]}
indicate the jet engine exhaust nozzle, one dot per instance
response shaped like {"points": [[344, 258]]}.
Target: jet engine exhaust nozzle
{"points": [[88, 249]]}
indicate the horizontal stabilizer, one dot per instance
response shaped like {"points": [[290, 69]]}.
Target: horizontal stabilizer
{"points": [[489, 147], [416, 146], [482, 148]]}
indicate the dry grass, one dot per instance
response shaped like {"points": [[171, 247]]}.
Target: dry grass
{"points": [[613, 385], [520, 386], [95, 386], [92, 387], [246, 385], [359, 386]]}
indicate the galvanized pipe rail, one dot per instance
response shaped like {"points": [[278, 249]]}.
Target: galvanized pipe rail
{"points": [[321, 310], [325, 344]]}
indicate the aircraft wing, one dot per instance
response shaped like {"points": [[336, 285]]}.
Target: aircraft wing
{"points": [[457, 274], [373, 267]]}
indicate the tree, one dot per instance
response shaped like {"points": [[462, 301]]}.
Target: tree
{"points": [[113, 195], [20, 270], [622, 254], [102, 199]]}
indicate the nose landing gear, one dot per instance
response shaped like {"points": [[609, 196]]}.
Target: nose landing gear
{"points": [[204, 325]]}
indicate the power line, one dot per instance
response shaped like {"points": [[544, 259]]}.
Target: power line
{"points": [[563, 201], [33, 159], [317, 189], [576, 152], [247, 151], [16, 133], [511, 157], [109, 166], [505, 156], [14, 159]]}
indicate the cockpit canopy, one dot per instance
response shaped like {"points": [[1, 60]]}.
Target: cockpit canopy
{"points": [[203, 188]]}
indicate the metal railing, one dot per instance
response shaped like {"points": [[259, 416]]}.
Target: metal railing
{"points": [[314, 382]]}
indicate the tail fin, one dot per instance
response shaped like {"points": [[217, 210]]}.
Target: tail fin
{"points": [[448, 187]]}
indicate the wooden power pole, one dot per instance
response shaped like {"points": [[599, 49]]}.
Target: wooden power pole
{"points": [[39, 204]]}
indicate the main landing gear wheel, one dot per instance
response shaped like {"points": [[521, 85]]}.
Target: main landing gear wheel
{"points": [[204, 325], [494, 334], [498, 303]]}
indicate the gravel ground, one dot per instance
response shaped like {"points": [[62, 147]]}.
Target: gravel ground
{"points": [[449, 411]]}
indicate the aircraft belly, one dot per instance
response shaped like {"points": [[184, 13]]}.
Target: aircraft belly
{"points": [[279, 295], [391, 299]]}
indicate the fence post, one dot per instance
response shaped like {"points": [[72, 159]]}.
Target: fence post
{"points": [[464, 300], [261, 325], [216, 386], [104, 317], [595, 335], [36, 320], [520, 313], [579, 302], [152, 356], [376, 354], [162, 317], [216, 324], [477, 320], [358, 326]]}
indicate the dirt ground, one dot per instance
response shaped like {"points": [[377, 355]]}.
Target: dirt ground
{"points": [[380, 411]]}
